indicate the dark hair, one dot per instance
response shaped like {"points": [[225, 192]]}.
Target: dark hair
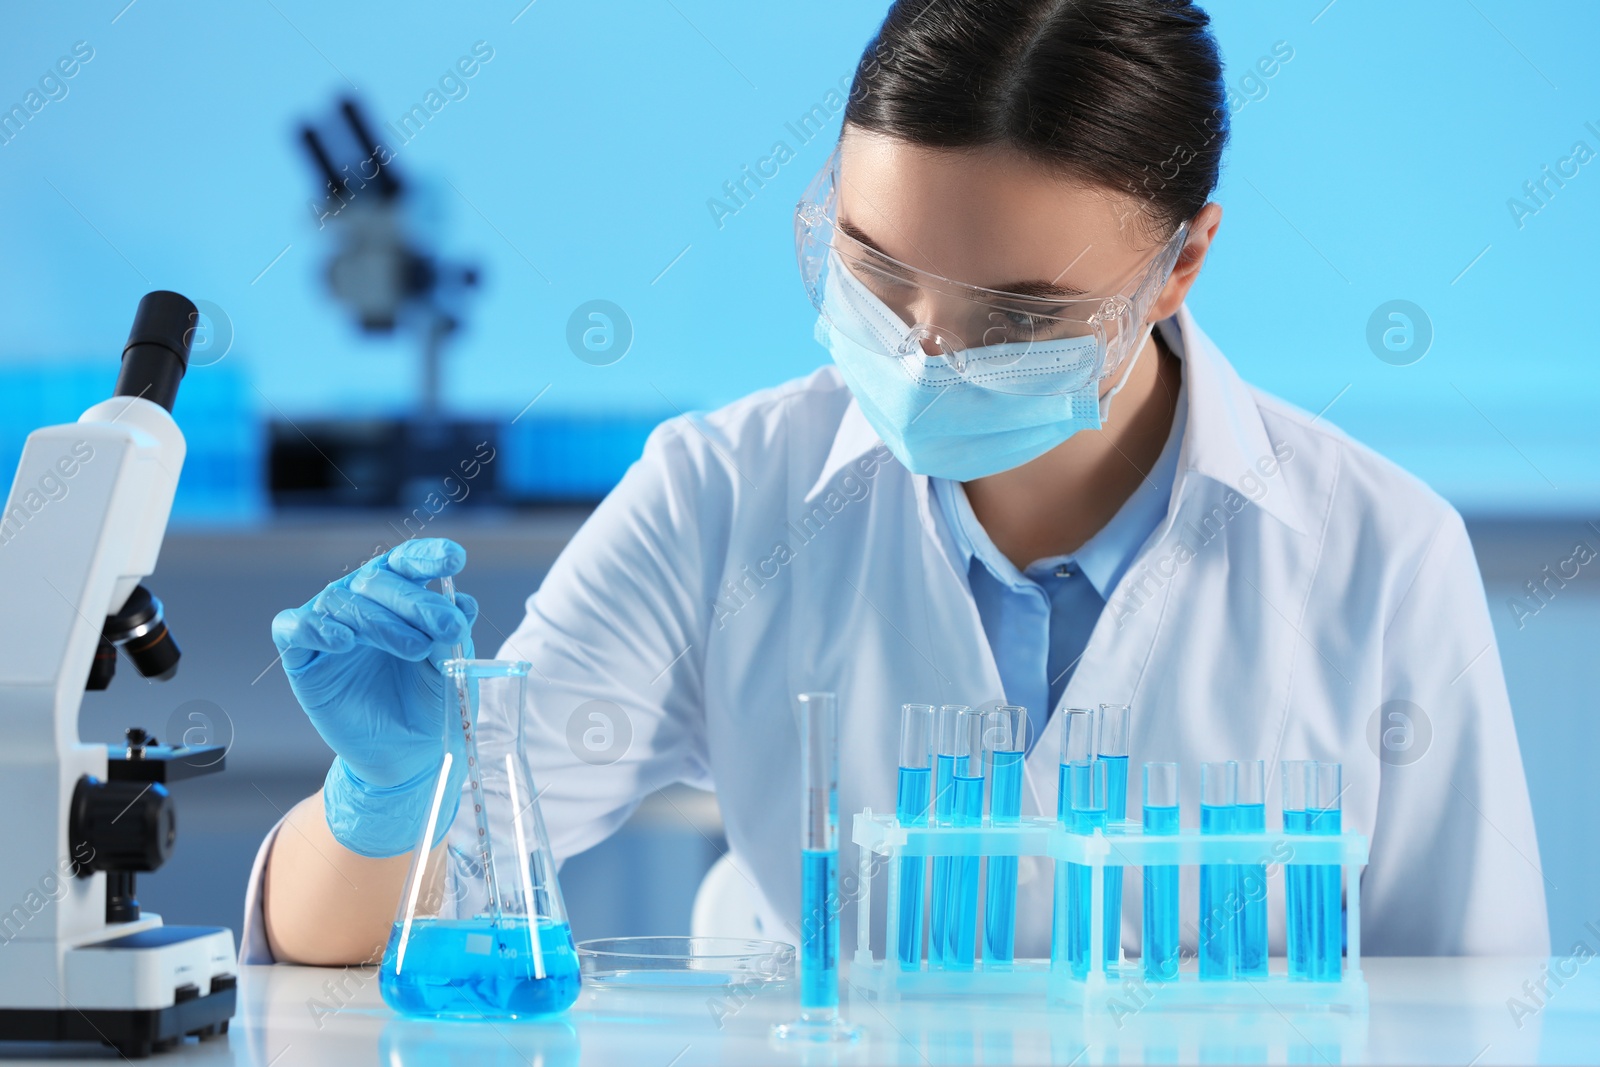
{"points": [[1125, 94]]}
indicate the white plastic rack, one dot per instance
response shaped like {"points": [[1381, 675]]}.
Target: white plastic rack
{"points": [[1105, 989]]}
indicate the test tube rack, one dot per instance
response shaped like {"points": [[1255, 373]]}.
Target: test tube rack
{"points": [[1115, 990]]}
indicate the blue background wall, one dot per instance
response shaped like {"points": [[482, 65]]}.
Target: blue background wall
{"points": [[1375, 165]]}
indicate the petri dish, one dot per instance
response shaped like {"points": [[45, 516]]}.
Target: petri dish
{"points": [[696, 963]]}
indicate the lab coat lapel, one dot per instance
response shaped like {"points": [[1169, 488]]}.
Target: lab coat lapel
{"points": [[968, 672]]}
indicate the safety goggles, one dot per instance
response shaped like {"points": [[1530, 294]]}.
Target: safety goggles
{"points": [[944, 331]]}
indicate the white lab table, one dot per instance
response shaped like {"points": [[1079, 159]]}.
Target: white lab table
{"points": [[1451, 1011]]}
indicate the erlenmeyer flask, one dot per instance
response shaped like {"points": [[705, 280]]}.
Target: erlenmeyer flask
{"points": [[481, 929]]}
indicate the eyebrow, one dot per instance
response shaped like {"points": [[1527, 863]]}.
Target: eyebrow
{"points": [[1034, 289]]}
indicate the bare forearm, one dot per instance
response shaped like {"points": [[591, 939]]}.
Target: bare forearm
{"points": [[322, 903]]}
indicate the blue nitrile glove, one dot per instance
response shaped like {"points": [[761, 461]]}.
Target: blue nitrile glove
{"points": [[364, 659]]}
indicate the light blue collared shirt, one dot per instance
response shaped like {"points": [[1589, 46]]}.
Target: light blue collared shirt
{"points": [[1038, 620]]}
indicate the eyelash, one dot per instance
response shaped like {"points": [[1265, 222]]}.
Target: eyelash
{"points": [[1023, 318], [1016, 317]]}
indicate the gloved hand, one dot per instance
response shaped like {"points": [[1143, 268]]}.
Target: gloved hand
{"points": [[364, 659]]}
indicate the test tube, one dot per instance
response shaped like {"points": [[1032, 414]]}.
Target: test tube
{"points": [[1218, 794], [1160, 943], [1088, 815], [1077, 746], [1296, 876], [1007, 739], [1323, 802], [819, 862], [1112, 749], [819, 774], [944, 807], [911, 808], [961, 952], [1250, 922]]}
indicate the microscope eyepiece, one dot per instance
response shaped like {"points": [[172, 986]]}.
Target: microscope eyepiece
{"points": [[157, 352]]}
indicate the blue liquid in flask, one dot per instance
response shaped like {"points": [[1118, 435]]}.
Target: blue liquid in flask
{"points": [[475, 968], [911, 808]]}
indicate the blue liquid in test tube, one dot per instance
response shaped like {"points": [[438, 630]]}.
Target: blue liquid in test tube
{"points": [[1218, 899], [1160, 942], [962, 950], [1007, 733], [1296, 876], [1112, 750], [1060, 916], [1088, 781], [911, 809], [1077, 747], [819, 859], [1326, 963], [819, 933], [1250, 926], [944, 809]]}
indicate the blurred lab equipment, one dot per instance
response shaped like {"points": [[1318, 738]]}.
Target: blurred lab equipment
{"points": [[382, 274], [481, 930], [81, 530]]}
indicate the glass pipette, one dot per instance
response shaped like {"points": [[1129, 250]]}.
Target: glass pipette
{"points": [[447, 586]]}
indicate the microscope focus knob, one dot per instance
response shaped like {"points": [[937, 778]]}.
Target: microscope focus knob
{"points": [[121, 826]]}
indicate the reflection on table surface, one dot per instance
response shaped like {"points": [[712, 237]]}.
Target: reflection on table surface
{"points": [[1461, 1011]]}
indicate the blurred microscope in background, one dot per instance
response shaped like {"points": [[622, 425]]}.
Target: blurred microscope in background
{"points": [[393, 286]]}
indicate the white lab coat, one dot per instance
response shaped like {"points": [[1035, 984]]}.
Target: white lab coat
{"points": [[1299, 584]]}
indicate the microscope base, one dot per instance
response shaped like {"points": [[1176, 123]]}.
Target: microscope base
{"points": [[133, 1032], [162, 969]]}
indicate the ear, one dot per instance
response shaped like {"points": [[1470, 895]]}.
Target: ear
{"points": [[1202, 231]]}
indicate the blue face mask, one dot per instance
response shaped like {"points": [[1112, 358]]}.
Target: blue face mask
{"points": [[968, 425]]}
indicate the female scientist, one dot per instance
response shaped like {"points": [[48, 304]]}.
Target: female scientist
{"points": [[1026, 475]]}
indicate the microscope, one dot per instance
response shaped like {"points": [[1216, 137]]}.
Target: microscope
{"points": [[382, 273], [80, 532]]}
